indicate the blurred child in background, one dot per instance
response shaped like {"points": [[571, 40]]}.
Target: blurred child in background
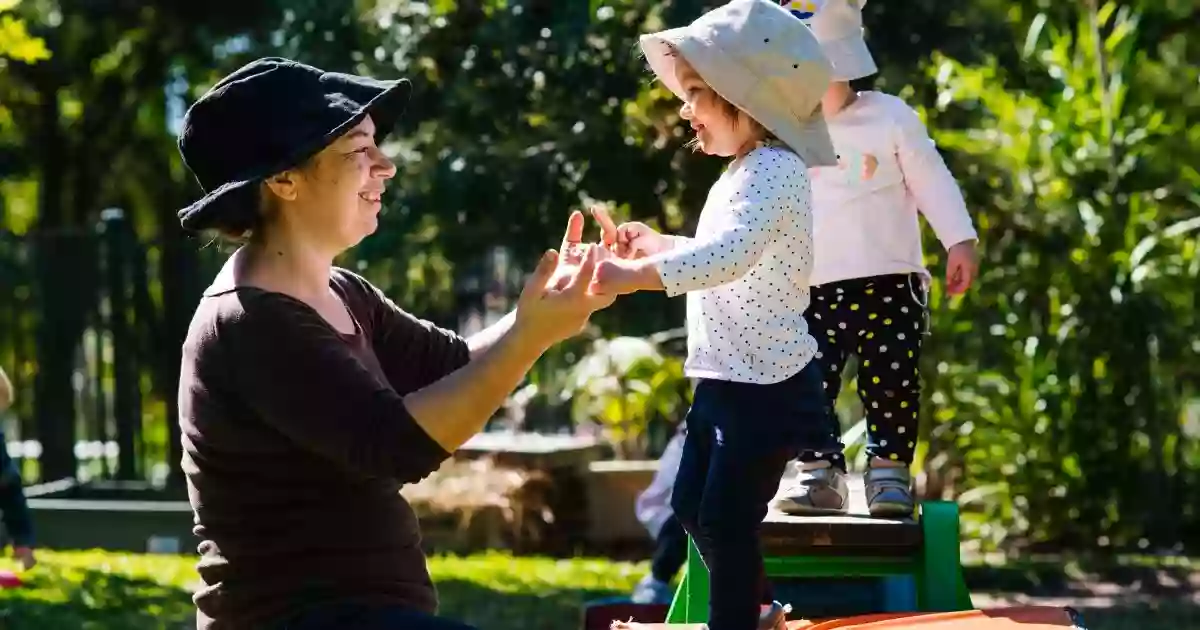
{"points": [[670, 540], [13, 508]]}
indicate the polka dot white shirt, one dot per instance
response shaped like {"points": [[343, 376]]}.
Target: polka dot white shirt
{"points": [[746, 272]]}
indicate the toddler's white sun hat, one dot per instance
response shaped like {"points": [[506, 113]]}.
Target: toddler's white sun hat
{"points": [[761, 59], [838, 25]]}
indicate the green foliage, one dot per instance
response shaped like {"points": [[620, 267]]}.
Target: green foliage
{"points": [[15, 40], [623, 385], [1058, 391]]}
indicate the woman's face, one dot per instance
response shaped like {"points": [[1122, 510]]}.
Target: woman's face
{"points": [[717, 131], [334, 201]]}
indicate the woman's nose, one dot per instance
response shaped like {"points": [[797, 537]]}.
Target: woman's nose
{"points": [[685, 111], [384, 168]]}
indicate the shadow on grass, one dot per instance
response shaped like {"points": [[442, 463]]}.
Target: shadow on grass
{"points": [[1160, 616], [94, 600], [1111, 595], [1084, 578], [490, 609]]}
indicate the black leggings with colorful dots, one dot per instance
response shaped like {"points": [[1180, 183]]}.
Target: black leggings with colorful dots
{"points": [[880, 319]]}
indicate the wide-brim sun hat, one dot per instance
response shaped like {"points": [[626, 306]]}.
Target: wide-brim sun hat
{"points": [[838, 26], [266, 117], [755, 55]]}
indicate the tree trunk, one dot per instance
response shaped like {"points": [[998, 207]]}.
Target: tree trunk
{"points": [[54, 412]]}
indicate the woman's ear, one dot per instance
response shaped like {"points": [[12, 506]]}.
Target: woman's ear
{"points": [[284, 185]]}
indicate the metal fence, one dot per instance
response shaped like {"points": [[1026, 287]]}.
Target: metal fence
{"points": [[91, 324], [86, 323]]}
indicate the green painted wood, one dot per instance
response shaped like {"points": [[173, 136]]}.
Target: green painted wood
{"points": [[856, 545]]}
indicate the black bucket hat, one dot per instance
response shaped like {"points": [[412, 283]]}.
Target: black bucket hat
{"points": [[268, 116]]}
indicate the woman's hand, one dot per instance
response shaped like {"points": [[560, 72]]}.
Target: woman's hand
{"points": [[630, 240], [547, 314]]}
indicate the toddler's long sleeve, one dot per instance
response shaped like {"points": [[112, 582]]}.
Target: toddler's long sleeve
{"points": [[929, 180], [735, 247], [746, 272]]}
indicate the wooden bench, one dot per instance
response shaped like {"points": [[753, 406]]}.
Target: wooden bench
{"points": [[925, 549]]}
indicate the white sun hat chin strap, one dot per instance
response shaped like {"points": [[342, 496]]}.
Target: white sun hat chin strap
{"points": [[838, 25]]}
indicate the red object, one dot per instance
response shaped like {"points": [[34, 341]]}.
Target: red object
{"points": [[8, 579]]}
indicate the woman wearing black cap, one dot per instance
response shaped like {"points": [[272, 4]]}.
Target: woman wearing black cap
{"points": [[307, 397]]}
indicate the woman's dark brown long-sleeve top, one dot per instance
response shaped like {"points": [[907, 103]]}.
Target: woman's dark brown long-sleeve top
{"points": [[295, 443]]}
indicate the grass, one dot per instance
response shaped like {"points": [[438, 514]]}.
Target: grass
{"points": [[496, 591], [97, 590]]}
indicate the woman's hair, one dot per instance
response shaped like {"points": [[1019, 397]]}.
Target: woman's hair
{"points": [[256, 208]]}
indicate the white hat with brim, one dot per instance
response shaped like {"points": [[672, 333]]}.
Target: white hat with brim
{"points": [[759, 58], [838, 25]]}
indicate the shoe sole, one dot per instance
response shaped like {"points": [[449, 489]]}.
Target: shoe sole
{"points": [[892, 511], [795, 509]]}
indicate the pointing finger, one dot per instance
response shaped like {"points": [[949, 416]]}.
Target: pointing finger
{"points": [[574, 234], [608, 229]]}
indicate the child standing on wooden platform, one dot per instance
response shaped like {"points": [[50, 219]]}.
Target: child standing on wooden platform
{"points": [[750, 78], [869, 278]]}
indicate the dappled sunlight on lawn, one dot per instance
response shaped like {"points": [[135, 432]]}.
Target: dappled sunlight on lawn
{"points": [[95, 590], [495, 591]]}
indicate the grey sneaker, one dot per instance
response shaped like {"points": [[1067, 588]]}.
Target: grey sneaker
{"points": [[774, 616], [889, 492], [815, 492], [652, 591]]}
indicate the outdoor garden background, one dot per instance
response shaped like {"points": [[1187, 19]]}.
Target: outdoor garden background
{"points": [[1061, 395]]}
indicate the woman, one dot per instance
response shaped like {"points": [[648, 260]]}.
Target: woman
{"points": [[307, 397]]}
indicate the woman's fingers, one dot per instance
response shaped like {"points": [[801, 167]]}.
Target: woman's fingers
{"points": [[537, 282], [583, 275], [574, 233]]}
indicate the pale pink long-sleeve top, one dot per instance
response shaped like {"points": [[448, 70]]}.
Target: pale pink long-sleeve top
{"points": [[865, 210]]}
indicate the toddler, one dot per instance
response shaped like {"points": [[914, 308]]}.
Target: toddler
{"points": [[750, 78], [653, 510], [869, 279]]}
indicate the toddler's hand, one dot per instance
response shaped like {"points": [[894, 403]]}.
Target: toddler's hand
{"points": [[629, 240], [961, 267], [642, 240], [616, 276]]}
